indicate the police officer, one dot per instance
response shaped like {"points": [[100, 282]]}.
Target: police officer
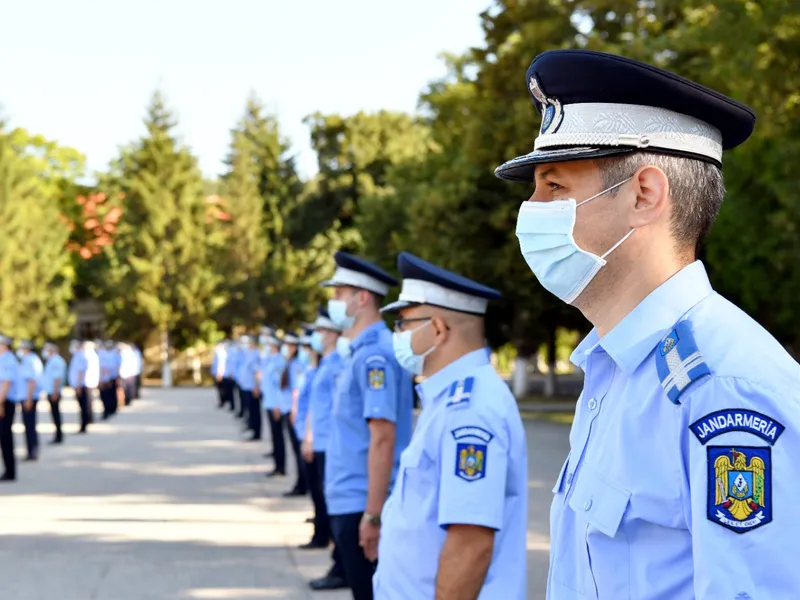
{"points": [[270, 374], [53, 379], [9, 397], [104, 357], [684, 445], [138, 369], [76, 376], [300, 422], [455, 524], [30, 382], [91, 379], [371, 419], [247, 377], [218, 371], [127, 371], [289, 372], [234, 353]]}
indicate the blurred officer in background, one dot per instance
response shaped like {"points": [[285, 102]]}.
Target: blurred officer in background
{"points": [[53, 379], [30, 380], [10, 396], [76, 376]]}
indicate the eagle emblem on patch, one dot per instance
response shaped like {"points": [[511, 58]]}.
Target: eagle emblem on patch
{"points": [[471, 461], [739, 487], [377, 378]]}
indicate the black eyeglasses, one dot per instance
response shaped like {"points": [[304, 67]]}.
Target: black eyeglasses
{"points": [[400, 324]]}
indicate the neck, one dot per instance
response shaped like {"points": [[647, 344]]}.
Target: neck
{"points": [[328, 350], [439, 359], [621, 289], [365, 319]]}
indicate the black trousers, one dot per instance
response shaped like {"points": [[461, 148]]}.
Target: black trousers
{"points": [[137, 395], [242, 405], [84, 396], [300, 486], [226, 392], [358, 571], [55, 411], [7, 439], [129, 387], [108, 395], [278, 445], [254, 415], [31, 436], [315, 475]]}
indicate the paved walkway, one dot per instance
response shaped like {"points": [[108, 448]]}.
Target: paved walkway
{"points": [[167, 501]]}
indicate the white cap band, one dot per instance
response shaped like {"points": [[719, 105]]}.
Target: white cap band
{"points": [[594, 124], [418, 291], [357, 279], [325, 323]]}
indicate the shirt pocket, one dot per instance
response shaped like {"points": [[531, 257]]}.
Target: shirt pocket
{"points": [[419, 482], [559, 486], [602, 503]]}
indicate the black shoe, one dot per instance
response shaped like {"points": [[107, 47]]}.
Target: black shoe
{"points": [[104, 418], [254, 438], [31, 457], [310, 520], [276, 474], [56, 441], [82, 430], [269, 455], [329, 582], [293, 493], [7, 477], [313, 545]]}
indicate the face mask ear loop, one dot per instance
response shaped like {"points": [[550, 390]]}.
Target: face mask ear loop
{"points": [[618, 244], [597, 195]]}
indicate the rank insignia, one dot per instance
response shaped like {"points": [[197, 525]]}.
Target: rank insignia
{"points": [[377, 378], [739, 487]]}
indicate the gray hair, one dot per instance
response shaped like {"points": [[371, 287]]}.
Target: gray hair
{"points": [[696, 187]]}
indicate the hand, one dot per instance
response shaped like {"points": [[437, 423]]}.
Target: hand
{"points": [[2, 409], [276, 412], [293, 416], [219, 378], [53, 397], [256, 393], [307, 450], [27, 405], [368, 535]]}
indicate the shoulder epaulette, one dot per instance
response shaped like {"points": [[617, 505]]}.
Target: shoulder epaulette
{"points": [[460, 392], [679, 362]]}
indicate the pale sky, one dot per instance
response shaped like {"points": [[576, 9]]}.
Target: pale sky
{"points": [[81, 72]]}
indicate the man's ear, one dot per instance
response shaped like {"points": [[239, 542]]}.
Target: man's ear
{"points": [[441, 330], [652, 196]]}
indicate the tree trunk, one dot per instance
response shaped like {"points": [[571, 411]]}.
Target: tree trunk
{"points": [[551, 381], [519, 377], [166, 366]]}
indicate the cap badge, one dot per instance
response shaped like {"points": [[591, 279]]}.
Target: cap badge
{"points": [[552, 113]]}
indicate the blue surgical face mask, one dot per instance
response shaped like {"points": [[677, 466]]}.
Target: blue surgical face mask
{"points": [[316, 342], [343, 347], [545, 233], [404, 353], [337, 309], [286, 352], [304, 355]]}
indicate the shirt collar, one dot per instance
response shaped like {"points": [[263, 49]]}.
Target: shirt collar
{"points": [[632, 340], [433, 387], [367, 335]]}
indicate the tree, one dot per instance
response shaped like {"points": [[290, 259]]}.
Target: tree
{"points": [[163, 258]]}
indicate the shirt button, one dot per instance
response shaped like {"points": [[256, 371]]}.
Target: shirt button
{"points": [[569, 478], [588, 504], [592, 404]]}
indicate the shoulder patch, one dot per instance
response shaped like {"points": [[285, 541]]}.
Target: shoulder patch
{"points": [[679, 362], [460, 392], [376, 377], [736, 419], [739, 487], [471, 454]]}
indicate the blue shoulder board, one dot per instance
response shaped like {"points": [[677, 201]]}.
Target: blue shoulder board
{"points": [[679, 362], [460, 392]]}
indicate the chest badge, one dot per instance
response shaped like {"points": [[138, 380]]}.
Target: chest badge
{"points": [[740, 487]]}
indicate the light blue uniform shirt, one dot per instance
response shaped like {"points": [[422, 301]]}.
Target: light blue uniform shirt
{"points": [[116, 363], [104, 357], [54, 369], [128, 363], [232, 363], [296, 370], [246, 368], [139, 361], [269, 393], [9, 371], [303, 401], [92, 376], [31, 370], [218, 362], [321, 395], [372, 386], [670, 489], [467, 465], [77, 365]]}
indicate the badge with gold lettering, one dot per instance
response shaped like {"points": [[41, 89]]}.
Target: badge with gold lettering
{"points": [[740, 487]]}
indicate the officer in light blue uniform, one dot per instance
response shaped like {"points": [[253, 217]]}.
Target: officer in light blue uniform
{"points": [[683, 472], [91, 378], [218, 371], [128, 365], [455, 524], [289, 379], [325, 334], [54, 377], [371, 419], [10, 396], [271, 363], [247, 374], [232, 366], [76, 377], [139, 368], [310, 360], [30, 381], [106, 365]]}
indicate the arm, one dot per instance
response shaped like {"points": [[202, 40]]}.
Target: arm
{"points": [[56, 388], [464, 562], [5, 387], [379, 464]]}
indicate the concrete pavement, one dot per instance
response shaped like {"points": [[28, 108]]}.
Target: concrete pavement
{"points": [[166, 501]]}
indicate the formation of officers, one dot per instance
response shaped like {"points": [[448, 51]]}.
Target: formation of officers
{"points": [[342, 392], [105, 369], [682, 473]]}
